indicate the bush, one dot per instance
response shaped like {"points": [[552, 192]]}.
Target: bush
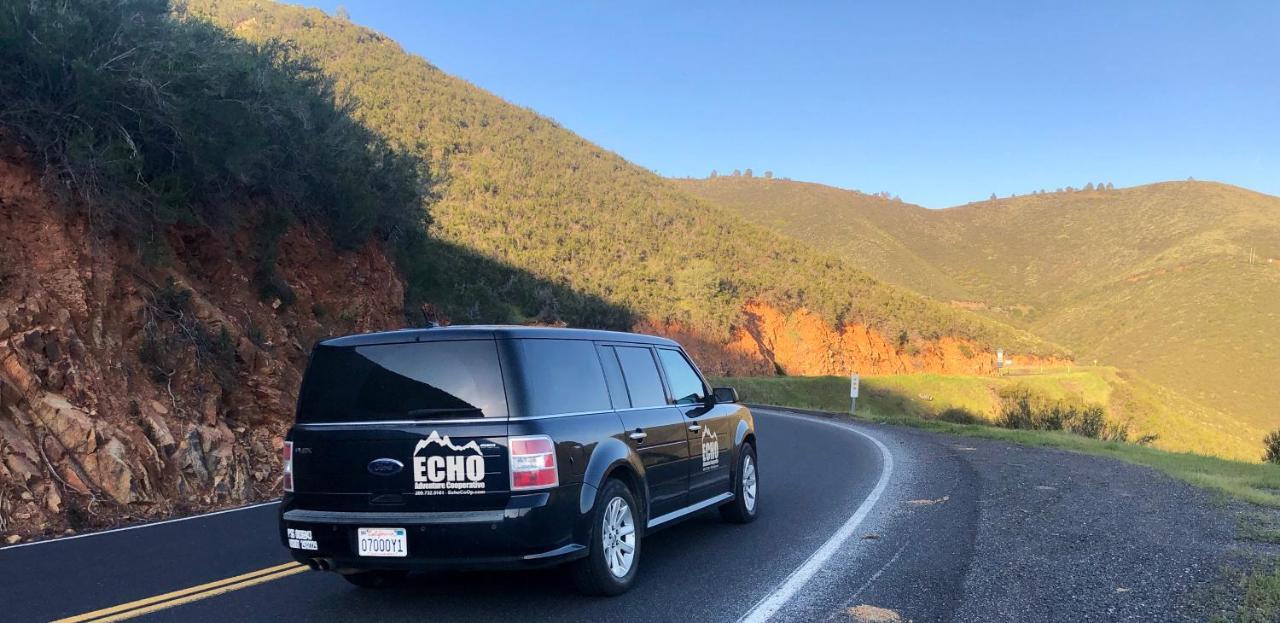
{"points": [[1017, 409], [1023, 407], [172, 336], [152, 120], [1272, 442], [1090, 421]]}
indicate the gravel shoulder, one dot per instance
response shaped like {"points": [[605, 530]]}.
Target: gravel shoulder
{"points": [[1066, 536], [1034, 534]]}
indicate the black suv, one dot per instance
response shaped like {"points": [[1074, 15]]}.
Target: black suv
{"points": [[483, 447]]}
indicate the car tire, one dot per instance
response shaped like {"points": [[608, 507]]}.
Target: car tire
{"points": [[746, 489], [375, 579], [609, 569]]}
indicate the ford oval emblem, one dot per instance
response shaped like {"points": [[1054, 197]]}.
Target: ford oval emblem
{"points": [[385, 467]]}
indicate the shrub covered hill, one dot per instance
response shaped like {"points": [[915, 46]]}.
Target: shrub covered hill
{"points": [[541, 205], [1178, 281], [186, 206]]}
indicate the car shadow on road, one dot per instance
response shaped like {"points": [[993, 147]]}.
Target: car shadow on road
{"points": [[483, 592]]}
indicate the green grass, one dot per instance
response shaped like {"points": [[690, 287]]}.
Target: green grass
{"points": [[1256, 483], [1179, 424], [1259, 597], [918, 401], [1259, 527]]}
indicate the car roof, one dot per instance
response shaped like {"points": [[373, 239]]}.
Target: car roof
{"points": [[473, 332]]}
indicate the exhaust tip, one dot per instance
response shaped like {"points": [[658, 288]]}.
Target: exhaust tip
{"points": [[319, 564]]}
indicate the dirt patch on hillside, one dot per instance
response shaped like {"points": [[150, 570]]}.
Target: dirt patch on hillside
{"points": [[802, 343]]}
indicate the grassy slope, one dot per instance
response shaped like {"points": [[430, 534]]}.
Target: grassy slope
{"points": [[522, 190], [1153, 278], [1182, 425], [887, 398]]}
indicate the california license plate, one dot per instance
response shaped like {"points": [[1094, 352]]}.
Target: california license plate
{"points": [[382, 542]]}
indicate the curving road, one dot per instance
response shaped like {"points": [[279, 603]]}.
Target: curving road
{"points": [[815, 477], [855, 518]]}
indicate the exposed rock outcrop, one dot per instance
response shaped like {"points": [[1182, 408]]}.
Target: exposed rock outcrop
{"points": [[129, 390], [802, 343]]}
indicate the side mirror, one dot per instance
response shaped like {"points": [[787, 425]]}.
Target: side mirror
{"points": [[725, 394]]}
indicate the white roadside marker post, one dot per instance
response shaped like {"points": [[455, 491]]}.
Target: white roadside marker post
{"points": [[853, 393]]}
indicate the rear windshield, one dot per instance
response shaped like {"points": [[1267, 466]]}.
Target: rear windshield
{"points": [[418, 381]]}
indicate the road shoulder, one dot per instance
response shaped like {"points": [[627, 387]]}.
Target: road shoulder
{"points": [[1057, 535]]}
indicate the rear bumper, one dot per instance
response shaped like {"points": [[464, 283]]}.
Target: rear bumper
{"points": [[536, 529]]}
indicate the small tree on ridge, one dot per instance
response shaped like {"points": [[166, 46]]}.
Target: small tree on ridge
{"points": [[1272, 442]]}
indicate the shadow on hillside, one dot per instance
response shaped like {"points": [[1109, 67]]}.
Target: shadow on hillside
{"points": [[465, 287], [457, 285]]}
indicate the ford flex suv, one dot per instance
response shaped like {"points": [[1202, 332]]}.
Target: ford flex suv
{"points": [[482, 447]]}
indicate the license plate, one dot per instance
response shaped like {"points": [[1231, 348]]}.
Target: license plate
{"points": [[382, 542]]}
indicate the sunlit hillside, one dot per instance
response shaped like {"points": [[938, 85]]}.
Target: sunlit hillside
{"points": [[1178, 281]]}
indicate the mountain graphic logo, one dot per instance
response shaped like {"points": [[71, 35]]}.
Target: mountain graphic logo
{"points": [[443, 441], [460, 471], [710, 449]]}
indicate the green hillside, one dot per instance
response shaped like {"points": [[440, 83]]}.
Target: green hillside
{"points": [[1157, 278], [535, 202]]}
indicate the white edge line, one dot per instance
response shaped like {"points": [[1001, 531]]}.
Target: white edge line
{"points": [[775, 600], [63, 539]]}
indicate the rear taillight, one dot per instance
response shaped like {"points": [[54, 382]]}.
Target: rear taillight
{"points": [[533, 463], [288, 466]]}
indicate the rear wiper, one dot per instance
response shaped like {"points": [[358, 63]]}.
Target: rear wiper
{"points": [[441, 411]]}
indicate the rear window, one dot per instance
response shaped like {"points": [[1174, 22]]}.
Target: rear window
{"points": [[562, 376], [418, 381]]}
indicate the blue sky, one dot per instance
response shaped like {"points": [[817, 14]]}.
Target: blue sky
{"points": [[939, 102]]}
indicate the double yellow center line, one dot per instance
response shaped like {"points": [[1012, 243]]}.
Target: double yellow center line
{"points": [[187, 595]]}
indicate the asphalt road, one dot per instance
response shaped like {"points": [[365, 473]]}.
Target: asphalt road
{"points": [[855, 519]]}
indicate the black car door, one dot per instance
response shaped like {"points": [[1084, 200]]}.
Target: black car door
{"points": [[652, 426], [709, 427]]}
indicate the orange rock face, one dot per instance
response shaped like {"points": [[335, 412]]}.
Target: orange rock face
{"points": [[801, 343]]}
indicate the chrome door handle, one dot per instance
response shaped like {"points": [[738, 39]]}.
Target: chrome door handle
{"points": [[639, 435], [695, 427]]}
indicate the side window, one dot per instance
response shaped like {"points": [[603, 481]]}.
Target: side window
{"points": [[644, 386], [686, 385], [562, 376], [613, 376]]}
